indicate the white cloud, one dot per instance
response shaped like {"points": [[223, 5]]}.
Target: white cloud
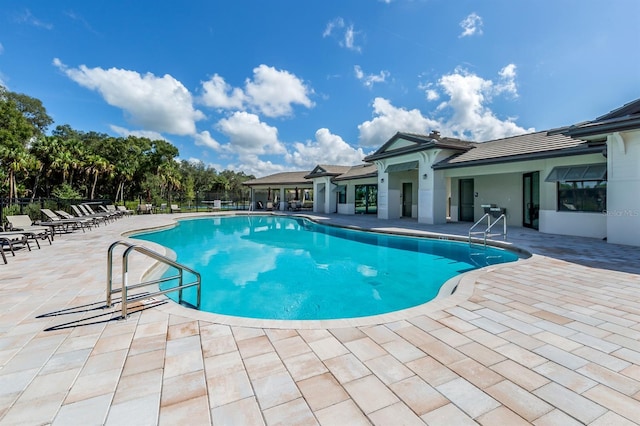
{"points": [[252, 165], [331, 25], [432, 95], [465, 114], [160, 104], [346, 34], [371, 79], [507, 82], [139, 133], [389, 120], [28, 18], [205, 139], [219, 94], [471, 25], [326, 149], [249, 136], [272, 92], [469, 95]]}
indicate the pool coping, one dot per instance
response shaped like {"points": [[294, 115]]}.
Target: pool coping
{"points": [[453, 292]]}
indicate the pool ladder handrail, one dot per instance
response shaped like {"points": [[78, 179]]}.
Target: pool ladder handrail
{"points": [[487, 231], [156, 256]]}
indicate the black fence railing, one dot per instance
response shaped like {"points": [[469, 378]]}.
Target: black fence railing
{"points": [[203, 201]]}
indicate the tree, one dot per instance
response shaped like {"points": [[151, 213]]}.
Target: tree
{"points": [[31, 109]]}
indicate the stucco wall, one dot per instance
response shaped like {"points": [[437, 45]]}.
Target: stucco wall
{"points": [[623, 189], [581, 224]]}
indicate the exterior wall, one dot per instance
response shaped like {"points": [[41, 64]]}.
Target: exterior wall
{"points": [[581, 224], [623, 188], [501, 184], [350, 206]]}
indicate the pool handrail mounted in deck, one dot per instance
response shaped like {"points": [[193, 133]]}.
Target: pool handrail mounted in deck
{"points": [[487, 231], [156, 256]]}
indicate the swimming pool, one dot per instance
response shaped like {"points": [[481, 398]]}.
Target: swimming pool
{"points": [[278, 267]]}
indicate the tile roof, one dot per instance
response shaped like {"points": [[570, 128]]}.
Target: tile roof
{"points": [[515, 146], [284, 178], [360, 171]]}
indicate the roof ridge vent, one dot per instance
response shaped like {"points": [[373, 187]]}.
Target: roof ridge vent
{"points": [[435, 134]]}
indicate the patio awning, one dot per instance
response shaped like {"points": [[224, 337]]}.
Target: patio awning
{"points": [[402, 167], [576, 173]]}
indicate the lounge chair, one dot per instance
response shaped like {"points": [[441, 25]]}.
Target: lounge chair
{"points": [[23, 222], [125, 210], [10, 239], [63, 224], [111, 208], [91, 212], [85, 212], [175, 208], [78, 213], [113, 213]]}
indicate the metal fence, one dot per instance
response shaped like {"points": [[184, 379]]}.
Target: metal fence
{"points": [[204, 201]]}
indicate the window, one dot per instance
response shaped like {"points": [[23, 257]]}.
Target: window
{"points": [[342, 194], [581, 188], [582, 196]]}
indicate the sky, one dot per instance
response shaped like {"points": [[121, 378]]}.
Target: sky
{"points": [[265, 86]]}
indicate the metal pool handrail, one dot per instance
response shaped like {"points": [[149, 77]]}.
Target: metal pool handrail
{"points": [[154, 255]]}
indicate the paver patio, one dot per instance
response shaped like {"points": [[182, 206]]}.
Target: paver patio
{"points": [[553, 339]]}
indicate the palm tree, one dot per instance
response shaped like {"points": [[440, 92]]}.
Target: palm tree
{"points": [[96, 166]]}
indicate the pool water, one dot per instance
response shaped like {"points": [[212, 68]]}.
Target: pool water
{"points": [[273, 267]]}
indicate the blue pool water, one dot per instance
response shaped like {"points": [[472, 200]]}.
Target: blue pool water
{"points": [[274, 267]]}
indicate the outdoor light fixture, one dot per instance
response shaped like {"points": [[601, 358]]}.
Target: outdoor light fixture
{"points": [[381, 180], [424, 176]]}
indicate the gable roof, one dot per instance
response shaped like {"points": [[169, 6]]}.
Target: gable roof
{"points": [[627, 117], [517, 148], [326, 170], [405, 143]]}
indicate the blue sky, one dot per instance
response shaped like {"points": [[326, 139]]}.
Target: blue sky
{"points": [[267, 86]]}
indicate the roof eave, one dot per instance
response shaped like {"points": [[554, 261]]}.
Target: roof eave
{"points": [[523, 157], [595, 129]]}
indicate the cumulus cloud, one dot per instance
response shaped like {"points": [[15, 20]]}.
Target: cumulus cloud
{"points": [[390, 119], [159, 104], [469, 96], [271, 92], [205, 139], [346, 34], [464, 114], [471, 25], [249, 136], [326, 149], [370, 79], [219, 94]]}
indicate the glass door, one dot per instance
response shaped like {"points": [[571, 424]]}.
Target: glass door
{"points": [[531, 199]]}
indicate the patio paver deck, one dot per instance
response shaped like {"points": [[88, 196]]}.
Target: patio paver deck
{"points": [[554, 339]]}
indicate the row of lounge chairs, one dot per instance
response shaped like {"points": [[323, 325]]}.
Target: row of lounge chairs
{"points": [[21, 230]]}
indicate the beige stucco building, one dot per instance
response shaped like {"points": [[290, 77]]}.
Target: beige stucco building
{"points": [[581, 180]]}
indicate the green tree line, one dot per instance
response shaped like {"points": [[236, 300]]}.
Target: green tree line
{"points": [[72, 164]]}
